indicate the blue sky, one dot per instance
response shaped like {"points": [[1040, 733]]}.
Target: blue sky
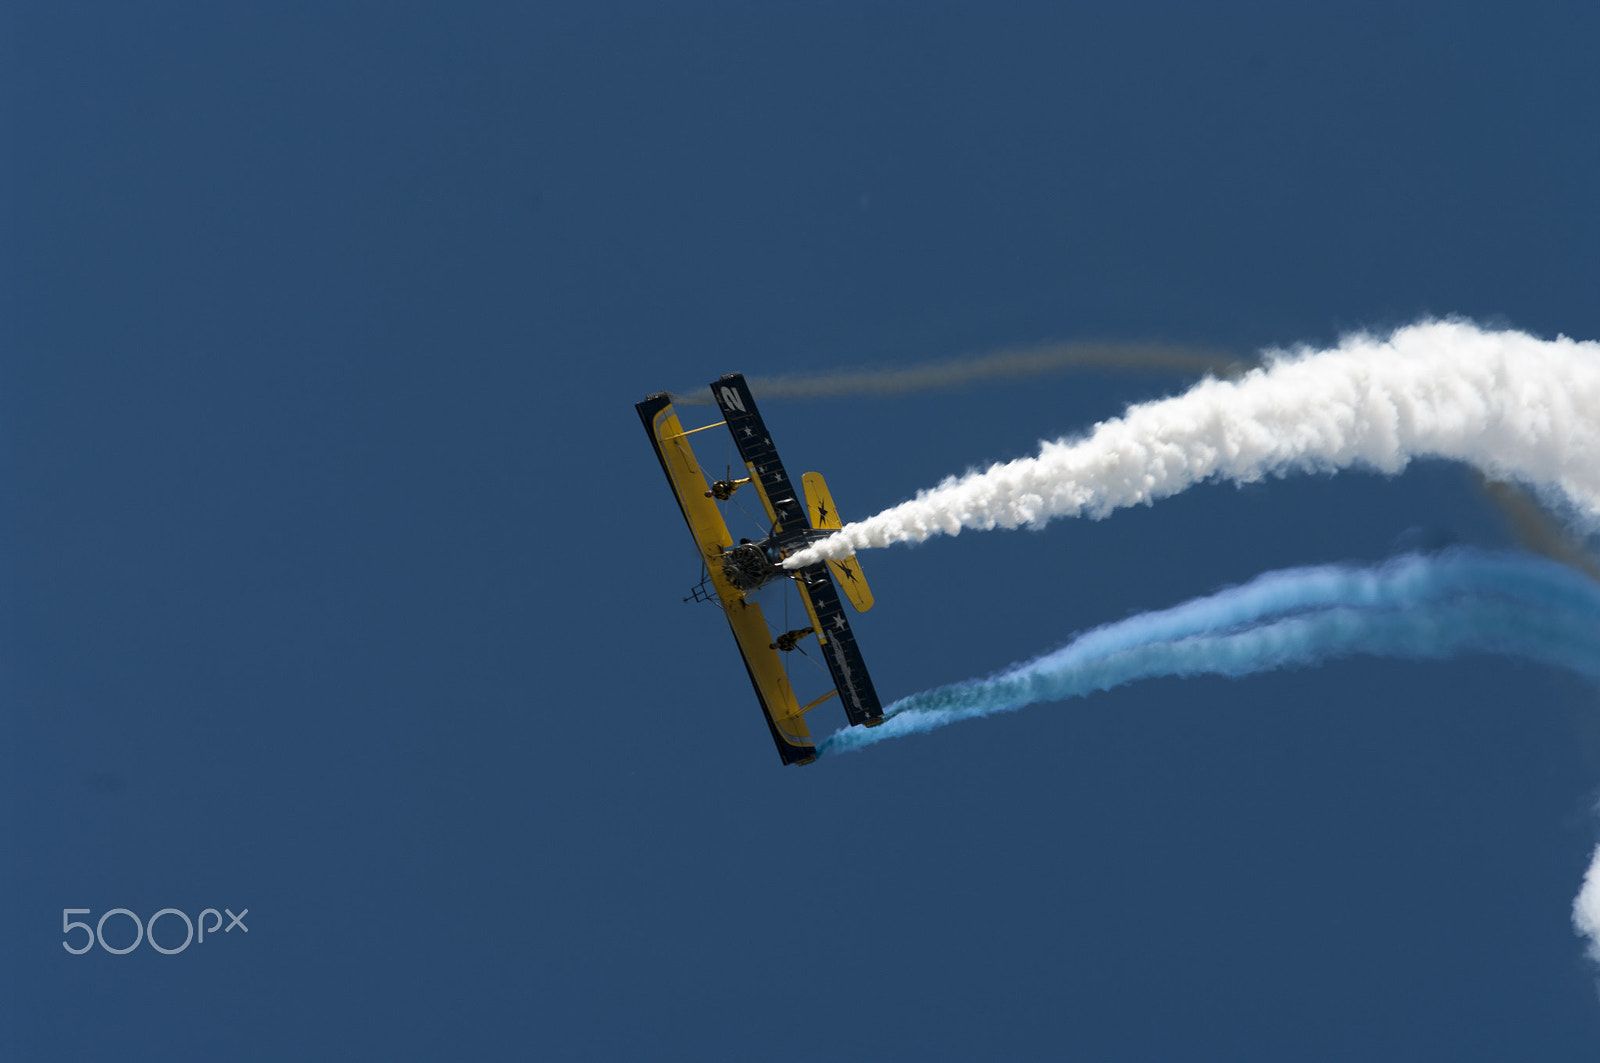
{"points": [[338, 581]]}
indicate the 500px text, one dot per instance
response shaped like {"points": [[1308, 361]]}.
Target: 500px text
{"points": [[145, 931]]}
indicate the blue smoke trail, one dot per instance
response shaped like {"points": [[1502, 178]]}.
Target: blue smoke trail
{"points": [[1414, 606]]}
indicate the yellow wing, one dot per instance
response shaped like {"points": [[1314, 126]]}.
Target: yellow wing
{"points": [[784, 714]]}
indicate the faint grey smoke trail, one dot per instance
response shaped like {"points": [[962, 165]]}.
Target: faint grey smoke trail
{"points": [[1537, 529], [1010, 363]]}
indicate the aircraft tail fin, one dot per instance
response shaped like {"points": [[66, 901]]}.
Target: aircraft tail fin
{"points": [[846, 571]]}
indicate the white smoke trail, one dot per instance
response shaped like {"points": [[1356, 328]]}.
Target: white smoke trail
{"points": [[1515, 406], [1586, 908]]}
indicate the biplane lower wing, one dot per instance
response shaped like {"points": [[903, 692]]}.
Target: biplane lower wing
{"points": [[785, 718], [839, 647]]}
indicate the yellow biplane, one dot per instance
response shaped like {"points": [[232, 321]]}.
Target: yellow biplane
{"points": [[741, 573]]}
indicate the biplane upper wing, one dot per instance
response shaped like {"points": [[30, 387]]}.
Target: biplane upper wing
{"points": [[789, 519], [785, 718], [750, 435]]}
